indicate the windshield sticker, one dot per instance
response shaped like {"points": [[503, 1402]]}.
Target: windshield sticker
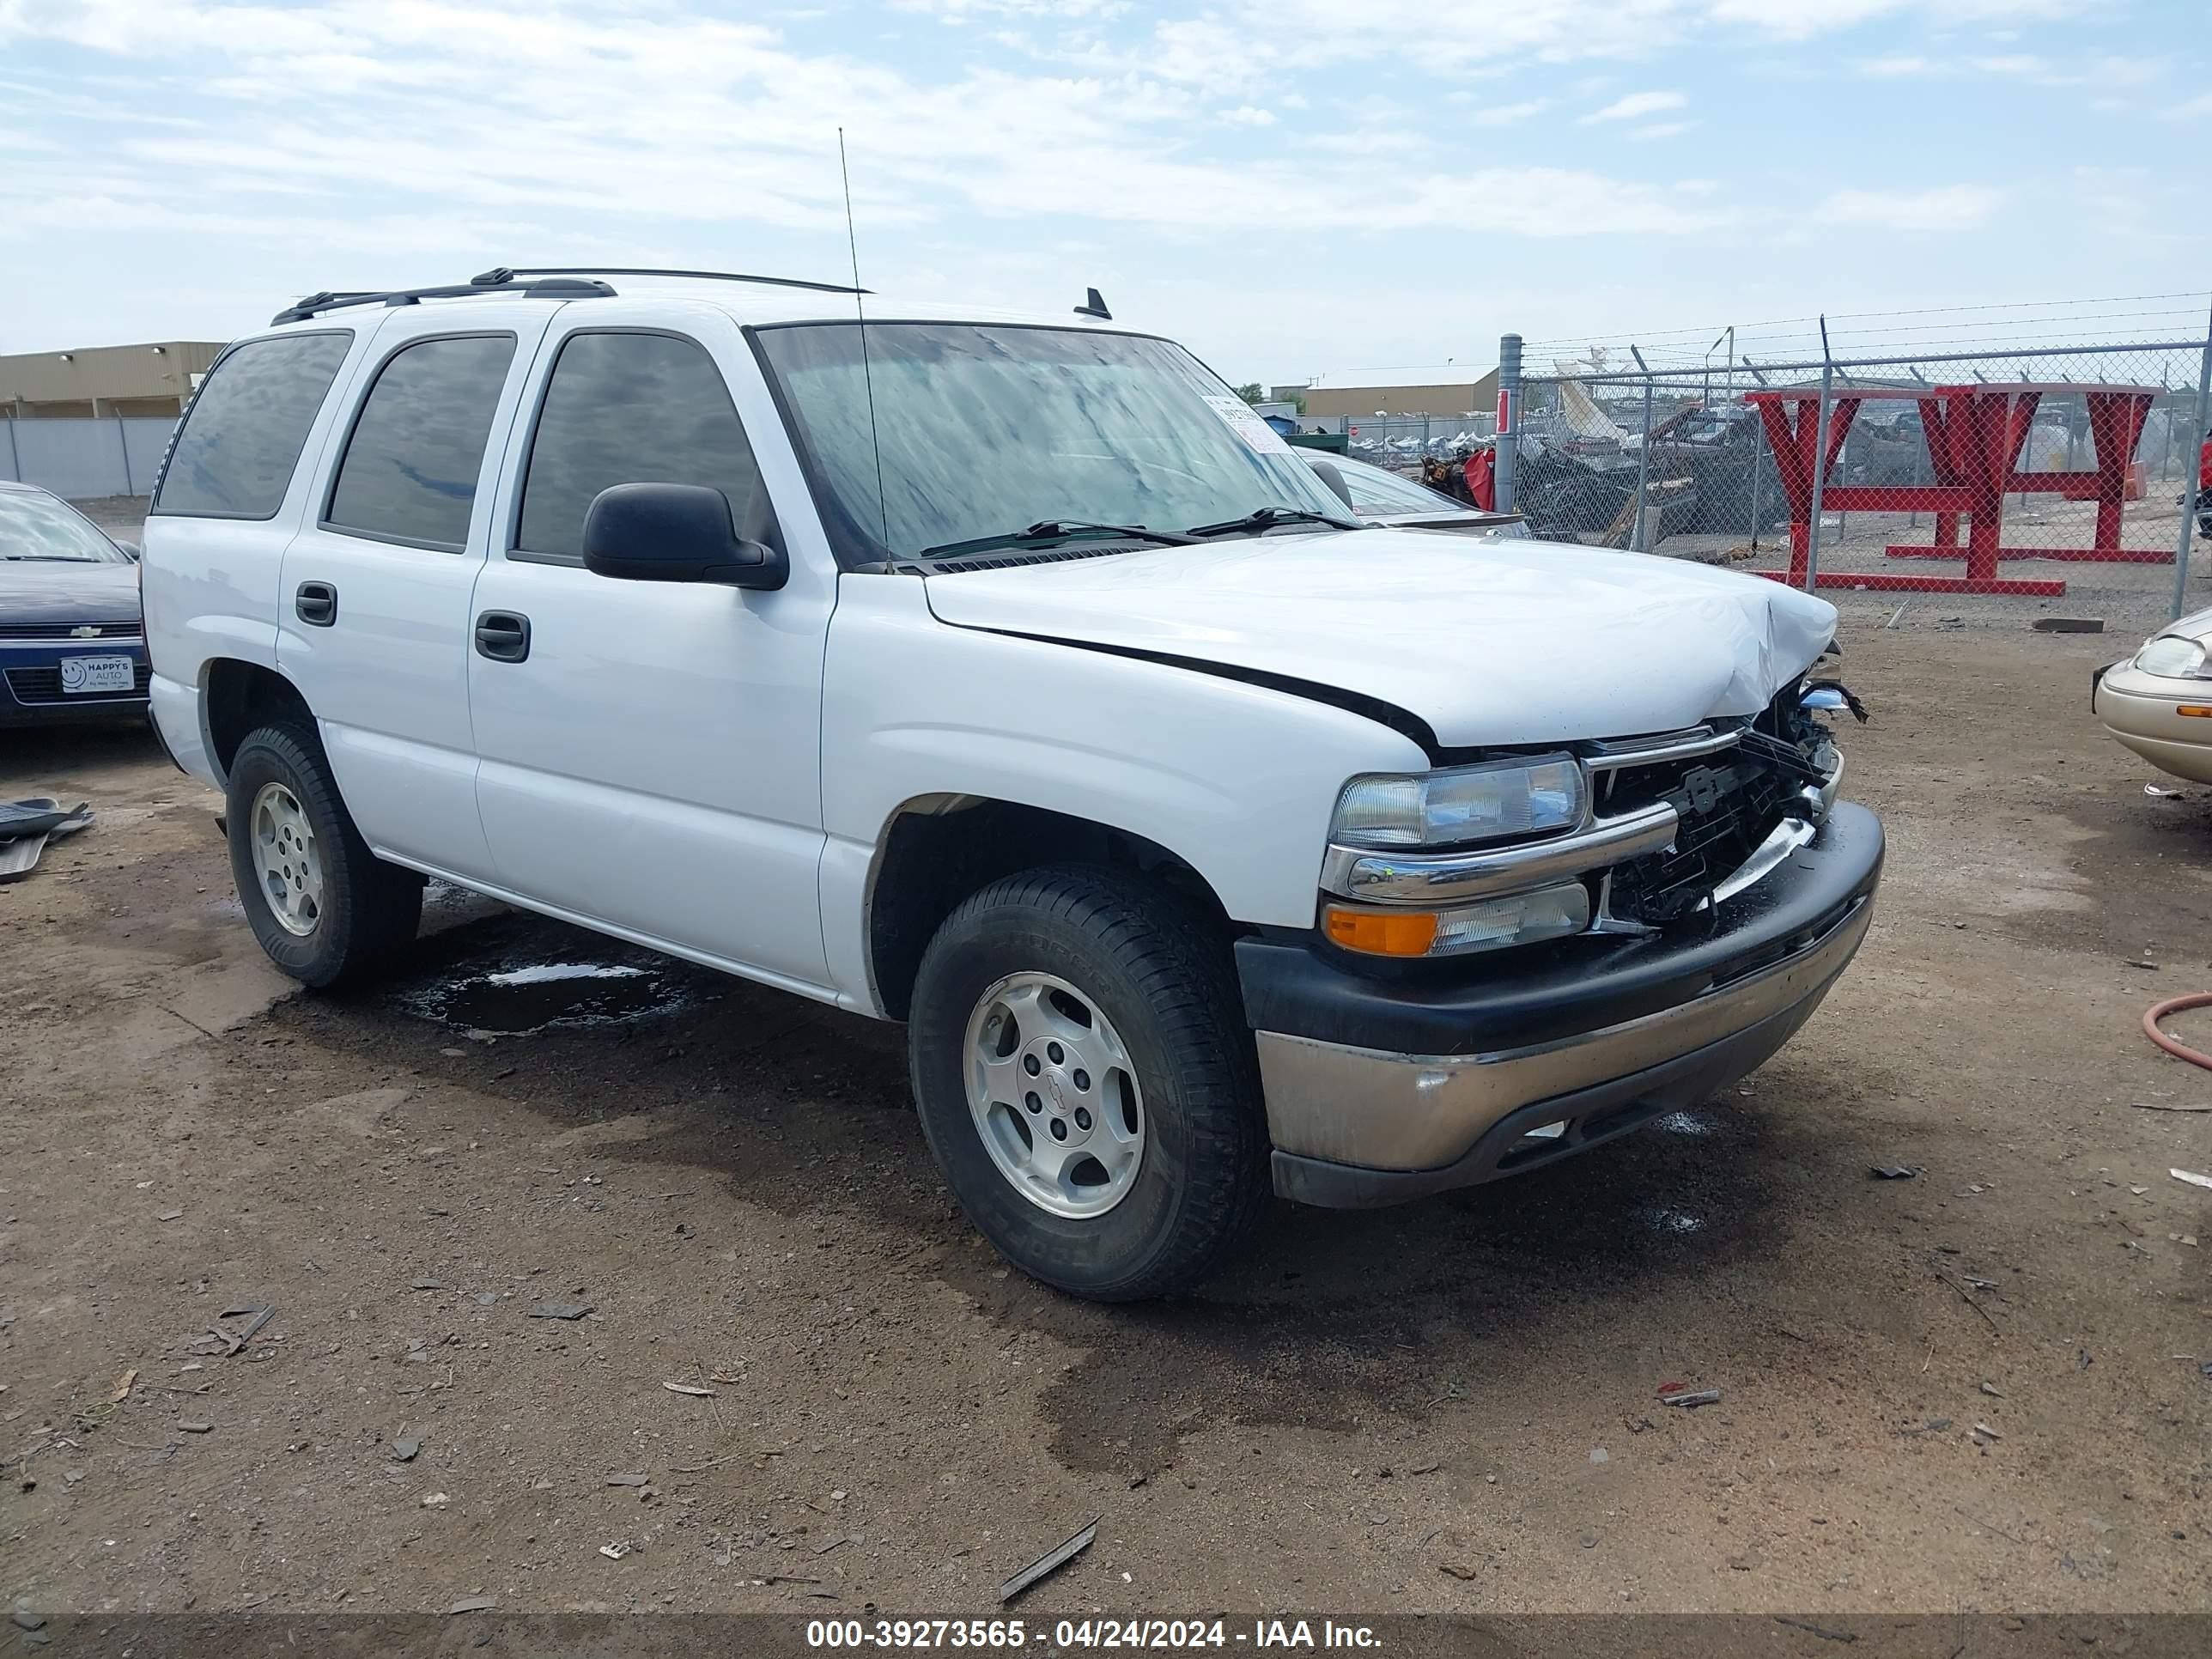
{"points": [[1257, 434]]}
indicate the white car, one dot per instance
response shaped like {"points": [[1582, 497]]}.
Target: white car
{"points": [[1384, 499], [1007, 676]]}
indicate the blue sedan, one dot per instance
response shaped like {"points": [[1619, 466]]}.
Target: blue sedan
{"points": [[72, 646]]}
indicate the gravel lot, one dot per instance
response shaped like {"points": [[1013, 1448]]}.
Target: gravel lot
{"points": [[1449, 1406]]}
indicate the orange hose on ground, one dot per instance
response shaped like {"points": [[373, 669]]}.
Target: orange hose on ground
{"points": [[2174, 1046]]}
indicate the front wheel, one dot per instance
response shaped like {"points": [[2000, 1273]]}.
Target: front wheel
{"points": [[1086, 1083], [326, 909]]}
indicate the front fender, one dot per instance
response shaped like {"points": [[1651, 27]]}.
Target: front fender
{"points": [[1237, 781]]}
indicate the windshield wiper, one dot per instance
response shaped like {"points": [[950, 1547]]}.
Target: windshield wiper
{"points": [[1266, 517], [1054, 529]]}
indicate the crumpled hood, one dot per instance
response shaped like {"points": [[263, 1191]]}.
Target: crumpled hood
{"points": [[52, 591], [1488, 643]]}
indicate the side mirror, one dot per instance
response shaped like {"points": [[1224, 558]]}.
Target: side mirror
{"points": [[674, 533], [1326, 472], [130, 552]]}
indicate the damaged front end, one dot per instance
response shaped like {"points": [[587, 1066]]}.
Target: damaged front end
{"points": [[1742, 805], [1388, 1080]]}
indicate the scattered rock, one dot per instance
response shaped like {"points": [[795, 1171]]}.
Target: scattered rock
{"points": [[404, 1447], [473, 1604], [195, 1428], [1894, 1171], [628, 1480], [170, 1215], [560, 1310], [427, 1284], [436, 1500], [1589, 1540]]}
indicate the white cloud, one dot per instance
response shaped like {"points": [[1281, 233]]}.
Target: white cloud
{"points": [[1635, 105], [1247, 115], [1508, 115], [1898, 66], [1658, 130], [1947, 207]]}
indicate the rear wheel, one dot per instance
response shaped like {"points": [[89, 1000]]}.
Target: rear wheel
{"points": [[1086, 1083], [326, 909]]}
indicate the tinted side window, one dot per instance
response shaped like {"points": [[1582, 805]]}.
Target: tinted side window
{"points": [[410, 471], [243, 437], [629, 409]]}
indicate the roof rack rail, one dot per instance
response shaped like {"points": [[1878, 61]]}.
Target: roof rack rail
{"points": [[506, 274], [559, 288]]}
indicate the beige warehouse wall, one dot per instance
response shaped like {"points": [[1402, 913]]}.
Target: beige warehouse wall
{"points": [[126, 373], [1476, 396]]}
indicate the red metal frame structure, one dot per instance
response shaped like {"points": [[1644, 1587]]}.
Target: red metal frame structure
{"points": [[1957, 446], [1975, 434]]}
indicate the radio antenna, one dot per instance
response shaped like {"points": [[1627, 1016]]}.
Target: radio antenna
{"points": [[867, 374]]}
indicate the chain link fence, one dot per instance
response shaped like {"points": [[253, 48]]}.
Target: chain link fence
{"points": [[1960, 489], [1402, 442]]}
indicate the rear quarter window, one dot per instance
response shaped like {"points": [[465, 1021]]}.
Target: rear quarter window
{"points": [[234, 455]]}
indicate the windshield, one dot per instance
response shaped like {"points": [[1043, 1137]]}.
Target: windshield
{"points": [[41, 528], [985, 429]]}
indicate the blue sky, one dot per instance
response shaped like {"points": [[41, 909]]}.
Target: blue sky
{"points": [[1289, 186]]}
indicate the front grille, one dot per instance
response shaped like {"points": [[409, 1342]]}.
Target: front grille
{"points": [[44, 685], [1729, 803], [106, 630]]}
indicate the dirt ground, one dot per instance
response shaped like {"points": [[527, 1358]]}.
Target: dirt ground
{"points": [[1452, 1405]]}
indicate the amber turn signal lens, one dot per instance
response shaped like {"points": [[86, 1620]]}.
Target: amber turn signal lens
{"points": [[2199, 710], [1382, 933]]}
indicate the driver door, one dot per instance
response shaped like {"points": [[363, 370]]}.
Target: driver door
{"points": [[649, 752]]}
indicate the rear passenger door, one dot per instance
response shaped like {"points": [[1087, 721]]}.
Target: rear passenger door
{"points": [[649, 760], [373, 611]]}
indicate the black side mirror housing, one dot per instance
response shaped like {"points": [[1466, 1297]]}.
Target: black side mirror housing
{"points": [[676, 532]]}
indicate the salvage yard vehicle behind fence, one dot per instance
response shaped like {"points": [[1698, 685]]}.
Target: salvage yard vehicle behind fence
{"points": [[2052, 478]]}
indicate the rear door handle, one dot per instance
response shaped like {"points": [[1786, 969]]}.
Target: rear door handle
{"points": [[317, 604], [503, 635]]}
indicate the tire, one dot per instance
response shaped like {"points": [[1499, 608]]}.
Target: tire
{"points": [[1160, 986], [366, 911]]}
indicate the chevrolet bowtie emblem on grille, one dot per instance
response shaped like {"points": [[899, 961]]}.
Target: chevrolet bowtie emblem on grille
{"points": [[87, 632]]}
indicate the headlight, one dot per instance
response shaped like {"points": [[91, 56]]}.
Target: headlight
{"points": [[1491, 802], [2173, 658]]}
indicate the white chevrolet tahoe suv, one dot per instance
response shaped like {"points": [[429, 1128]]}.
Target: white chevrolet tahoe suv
{"points": [[1006, 676]]}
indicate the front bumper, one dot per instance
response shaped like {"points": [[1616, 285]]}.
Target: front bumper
{"points": [[2143, 712], [1380, 1090], [31, 685]]}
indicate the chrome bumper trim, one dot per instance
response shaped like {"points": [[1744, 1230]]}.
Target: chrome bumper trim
{"points": [[1688, 744], [1394, 1111], [1435, 878]]}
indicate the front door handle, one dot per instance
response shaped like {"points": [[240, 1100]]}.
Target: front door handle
{"points": [[503, 635], [317, 604]]}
